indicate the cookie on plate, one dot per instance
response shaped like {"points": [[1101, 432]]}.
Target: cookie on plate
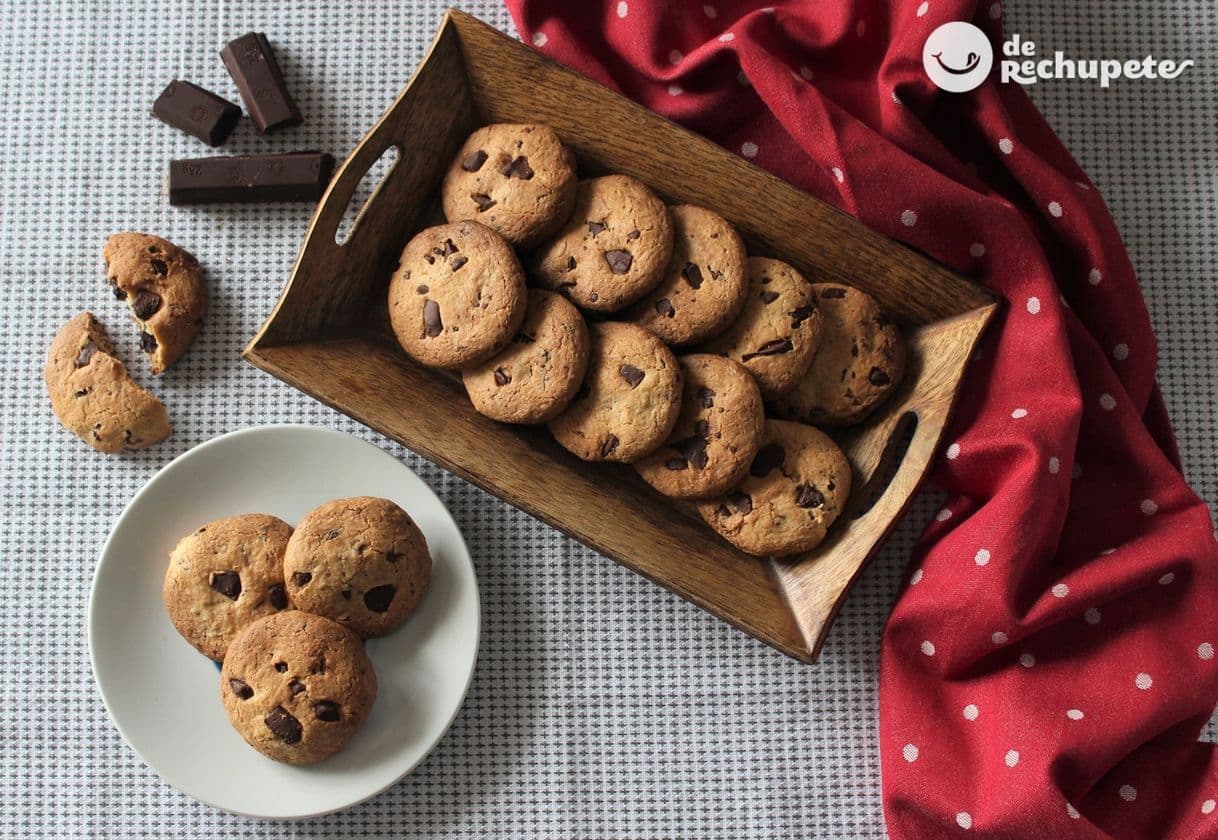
{"points": [[779, 330], [704, 285], [223, 576], [860, 361], [629, 400], [717, 433], [297, 686], [535, 377], [457, 295], [795, 488], [165, 288], [359, 561], [93, 395], [517, 179], [614, 248]]}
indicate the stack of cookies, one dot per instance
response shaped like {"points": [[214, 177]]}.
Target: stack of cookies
{"points": [[565, 302], [286, 612]]}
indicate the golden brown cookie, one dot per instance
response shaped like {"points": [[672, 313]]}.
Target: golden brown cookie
{"points": [[795, 488], [165, 288], [360, 561], [517, 179], [860, 361], [535, 377], [457, 296], [297, 686], [717, 433], [614, 248], [704, 285], [224, 576], [92, 394], [630, 398], [779, 330]]}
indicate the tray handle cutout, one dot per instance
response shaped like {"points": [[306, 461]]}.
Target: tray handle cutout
{"points": [[889, 464], [365, 193]]}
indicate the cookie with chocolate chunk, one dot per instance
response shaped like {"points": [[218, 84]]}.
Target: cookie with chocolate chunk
{"points": [[535, 377], [165, 288], [614, 248], [457, 296], [517, 179], [795, 488], [93, 395], [359, 561], [717, 433], [297, 686], [630, 398], [704, 285], [860, 361], [225, 575], [778, 332]]}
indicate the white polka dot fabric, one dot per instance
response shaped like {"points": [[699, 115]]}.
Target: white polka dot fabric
{"points": [[602, 706]]}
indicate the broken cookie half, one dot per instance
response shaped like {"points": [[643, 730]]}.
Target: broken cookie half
{"points": [[92, 394], [165, 288]]}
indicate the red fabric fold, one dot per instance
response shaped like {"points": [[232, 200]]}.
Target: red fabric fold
{"points": [[1050, 665]]}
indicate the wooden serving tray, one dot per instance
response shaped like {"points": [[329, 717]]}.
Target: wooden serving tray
{"points": [[328, 334]]}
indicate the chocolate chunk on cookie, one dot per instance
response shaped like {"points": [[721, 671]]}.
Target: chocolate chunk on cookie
{"points": [[797, 485], [717, 433], [517, 179], [704, 285], [93, 395], [535, 377], [360, 561], [165, 288], [457, 296], [614, 248], [861, 359], [297, 686], [224, 576], [630, 398], [778, 332]]}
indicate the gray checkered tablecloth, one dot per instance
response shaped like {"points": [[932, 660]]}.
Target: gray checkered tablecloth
{"points": [[602, 706]]}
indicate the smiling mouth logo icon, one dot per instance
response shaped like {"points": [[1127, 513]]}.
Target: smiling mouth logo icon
{"points": [[944, 49], [969, 67]]}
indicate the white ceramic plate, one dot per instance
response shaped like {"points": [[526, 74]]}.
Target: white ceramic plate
{"points": [[164, 697]]}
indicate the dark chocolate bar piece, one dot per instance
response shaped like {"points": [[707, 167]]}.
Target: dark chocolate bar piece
{"points": [[295, 176], [251, 63], [196, 111]]}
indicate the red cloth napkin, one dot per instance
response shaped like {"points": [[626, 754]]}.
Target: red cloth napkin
{"points": [[1048, 668]]}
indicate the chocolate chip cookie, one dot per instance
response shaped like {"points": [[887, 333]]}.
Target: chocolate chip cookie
{"points": [[535, 377], [92, 394], [614, 248], [779, 330], [360, 561], [165, 288], [704, 285], [860, 361], [795, 488], [518, 180], [224, 576], [629, 401], [457, 295], [717, 433], [297, 686]]}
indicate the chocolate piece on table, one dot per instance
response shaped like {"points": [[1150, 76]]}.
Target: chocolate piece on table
{"points": [[295, 176], [196, 111], [251, 63]]}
